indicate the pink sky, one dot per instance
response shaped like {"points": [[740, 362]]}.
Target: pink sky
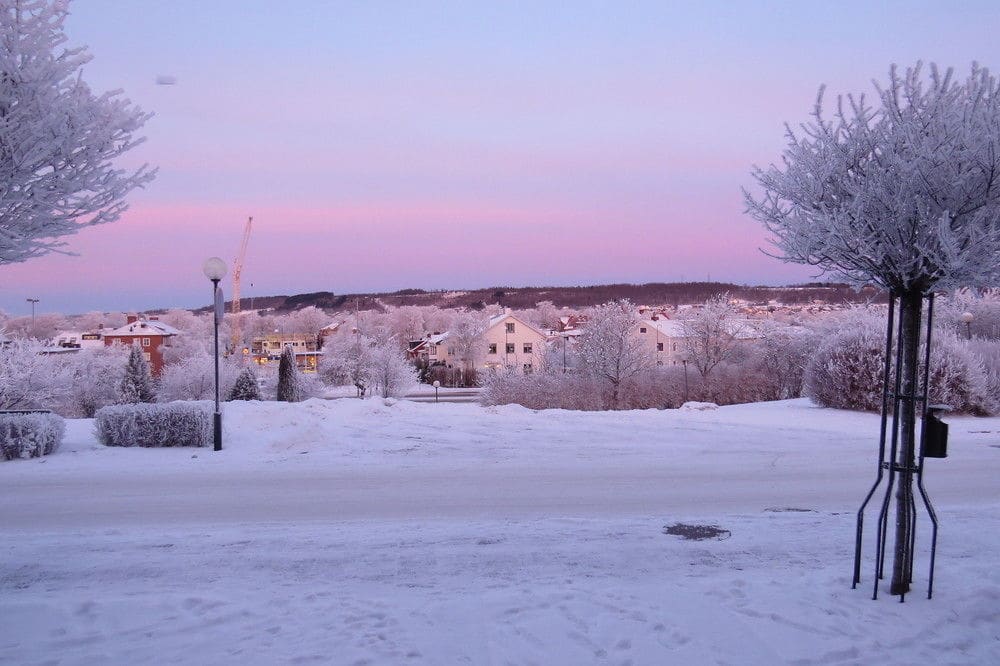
{"points": [[383, 146]]}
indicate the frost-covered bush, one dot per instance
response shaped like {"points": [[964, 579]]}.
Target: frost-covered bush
{"points": [[846, 372], [245, 387], [662, 387], [543, 390], [29, 435], [959, 378], [193, 378], [988, 353], [156, 425]]}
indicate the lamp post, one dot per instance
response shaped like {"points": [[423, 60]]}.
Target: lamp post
{"points": [[967, 318], [685, 362], [32, 301], [437, 385], [215, 269]]}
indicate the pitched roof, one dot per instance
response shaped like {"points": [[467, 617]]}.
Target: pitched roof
{"points": [[144, 327]]}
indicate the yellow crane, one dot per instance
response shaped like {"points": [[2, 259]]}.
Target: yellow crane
{"points": [[237, 271]]}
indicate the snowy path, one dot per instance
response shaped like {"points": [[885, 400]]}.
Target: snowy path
{"points": [[350, 532]]}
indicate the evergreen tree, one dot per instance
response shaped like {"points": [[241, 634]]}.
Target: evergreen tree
{"points": [[288, 377], [246, 387], [137, 384]]}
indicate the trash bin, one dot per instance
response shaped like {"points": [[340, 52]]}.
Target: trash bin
{"points": [[934, 434]]}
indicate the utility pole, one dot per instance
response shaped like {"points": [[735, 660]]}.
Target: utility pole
{"points": [[32, 301]]}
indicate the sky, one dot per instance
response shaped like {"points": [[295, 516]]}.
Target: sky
{"points": [[392, 145]]}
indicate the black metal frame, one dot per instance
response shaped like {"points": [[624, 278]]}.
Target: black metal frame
{"points": [[892, 465]]}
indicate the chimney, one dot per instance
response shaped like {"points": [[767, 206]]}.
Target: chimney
{"points": [[131, 319]]}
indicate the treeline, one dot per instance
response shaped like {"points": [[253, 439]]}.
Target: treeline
{"points": [[653, 293]]}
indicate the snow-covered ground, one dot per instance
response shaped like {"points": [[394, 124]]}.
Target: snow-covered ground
{"points": [[359, 532]]}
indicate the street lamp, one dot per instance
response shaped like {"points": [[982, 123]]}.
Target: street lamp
{"points": [[967, 318], [32, 301], [437, 385], [215, 269]]}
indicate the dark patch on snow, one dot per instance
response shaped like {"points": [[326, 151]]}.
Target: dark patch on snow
{"points": [[696, 532], [488, 542], [784, 509]]}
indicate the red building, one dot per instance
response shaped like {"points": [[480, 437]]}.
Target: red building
{"points": [[150, 334]]}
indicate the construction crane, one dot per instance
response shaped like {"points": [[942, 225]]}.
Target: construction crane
{"points": [[237, 271]]}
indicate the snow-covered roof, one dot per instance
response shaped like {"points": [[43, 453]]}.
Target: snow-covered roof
{"points": [[741, 329], [144, 327], [496, 319]]}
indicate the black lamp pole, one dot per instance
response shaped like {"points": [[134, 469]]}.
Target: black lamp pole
{"points": [[215, 269], [217, 418]]}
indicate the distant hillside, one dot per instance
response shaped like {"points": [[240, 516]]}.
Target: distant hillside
{"points": [[654, 293]]}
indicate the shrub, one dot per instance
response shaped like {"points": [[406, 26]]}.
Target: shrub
{"points": [[182, 423], [543, 390], [29, 435], [846, 372], [959, 378], [288, 376], [245, 387]]}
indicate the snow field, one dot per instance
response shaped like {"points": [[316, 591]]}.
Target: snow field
{"points": [[352, 532]]}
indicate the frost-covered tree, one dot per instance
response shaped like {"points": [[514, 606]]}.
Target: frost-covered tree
{"points": [[288, 377], [245, 387], [58, 140], [903, 193], [193, 378], [712, 334], [611, 349], [407, 323], [464, 338], [780, 356], [390, 373], [137, 384], [94, 380], [30, 379]]}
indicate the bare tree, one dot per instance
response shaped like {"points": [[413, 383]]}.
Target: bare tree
{"points": [[610, 347], [904, 194], [712, 334], [465, 338], [58, 140]]}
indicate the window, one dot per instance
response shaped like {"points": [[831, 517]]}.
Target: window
{"points": [[659, 346], [528, 369], [510, 327], [674, 346], [145, 342], [493, 348], [642, 329], [146, 354], [510, 348], [527, 347]]}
